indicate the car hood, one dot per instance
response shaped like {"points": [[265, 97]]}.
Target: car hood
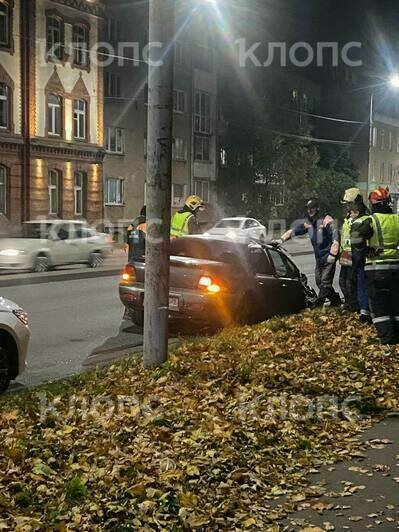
{"points": [[7, 306]]}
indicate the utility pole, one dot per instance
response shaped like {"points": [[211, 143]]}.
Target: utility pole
{"points": [[159, 181]]}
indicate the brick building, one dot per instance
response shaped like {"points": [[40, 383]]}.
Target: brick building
{"points": [[51, 110]]}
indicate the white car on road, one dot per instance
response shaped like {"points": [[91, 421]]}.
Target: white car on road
{"points": [[14, 342], [239, 227], [46, 244]]}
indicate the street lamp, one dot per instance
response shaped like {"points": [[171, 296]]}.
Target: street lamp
{"points": [[393, 83]]}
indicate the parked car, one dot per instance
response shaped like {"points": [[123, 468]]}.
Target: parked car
{"points": [[239, 227], [216, 281], [46, 244], [14, 342]]}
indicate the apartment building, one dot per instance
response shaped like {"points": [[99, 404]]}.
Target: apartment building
{"points": [[195, 102], [51, 110]]}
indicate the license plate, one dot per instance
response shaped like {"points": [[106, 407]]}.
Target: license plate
{"points": [[173, 303]]}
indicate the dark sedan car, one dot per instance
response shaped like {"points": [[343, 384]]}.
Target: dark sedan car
{"points": [[219, 282]]}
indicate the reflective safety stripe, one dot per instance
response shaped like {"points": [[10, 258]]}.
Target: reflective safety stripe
{"points": [[380, 266], [396, 318], [383, 319], [364, 312]]}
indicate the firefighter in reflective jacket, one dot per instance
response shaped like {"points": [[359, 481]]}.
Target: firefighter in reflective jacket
{"points": [[185, 222], [347, 277], [380, 234]]}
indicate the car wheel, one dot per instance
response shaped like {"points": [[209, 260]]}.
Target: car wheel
{"points": [[4, 370], [96, 260], [41, 265], [135, 316]]}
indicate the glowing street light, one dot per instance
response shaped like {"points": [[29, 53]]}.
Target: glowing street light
{"points": [[394, 81]]}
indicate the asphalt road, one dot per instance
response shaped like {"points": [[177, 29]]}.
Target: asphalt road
{"points": [[72, 319]]}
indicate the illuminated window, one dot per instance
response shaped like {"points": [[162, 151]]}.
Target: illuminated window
{"points": [[55, 37], [4, 106], [79, 183], [5, 19], [3, 189], [54, 115], [79, 119], [81, 45], [54, 191]]}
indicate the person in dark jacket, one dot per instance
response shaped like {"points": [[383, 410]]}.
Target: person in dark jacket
{"points": [[324, 235], [136, 235]]}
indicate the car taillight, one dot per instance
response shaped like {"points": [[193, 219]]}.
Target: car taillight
{"points": [[208, 284], [128, 274]]}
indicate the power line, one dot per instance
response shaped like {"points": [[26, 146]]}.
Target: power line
{"points": [[321, 117]]}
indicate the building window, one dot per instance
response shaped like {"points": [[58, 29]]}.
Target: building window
{"points": [[79, 119], [375, 137], [3, 190], [375, 171], [382, 175], [79, 183], [276, 198], [115, 140], [179, 53], [202, 148], [81, 45], [5, 103], [383, 139], [54, 115], [397, 142], [54, 191], [178, 195], [55, 38], [5, 24], [179, 101], [201, 188], [203, 58], [390, 173], [112, 85], [202, 112], [179, 149], [390, 137], [113, 30], [223, 157], [114, 191]]}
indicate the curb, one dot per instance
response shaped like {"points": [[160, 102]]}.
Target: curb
{"points": [[109, 356], [56, 277]]}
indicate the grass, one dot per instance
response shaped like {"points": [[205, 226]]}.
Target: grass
{"points": [[205, 442]]}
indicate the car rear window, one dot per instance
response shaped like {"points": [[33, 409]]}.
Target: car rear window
{"points": [[186, 247]]}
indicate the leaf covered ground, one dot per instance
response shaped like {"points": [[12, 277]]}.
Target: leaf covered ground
{"points": [[207, 442]]}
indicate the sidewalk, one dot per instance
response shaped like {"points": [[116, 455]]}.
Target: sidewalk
{"points": [[357, 495]]}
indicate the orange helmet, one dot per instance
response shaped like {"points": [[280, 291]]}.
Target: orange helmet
{"points": [[379, 195]]}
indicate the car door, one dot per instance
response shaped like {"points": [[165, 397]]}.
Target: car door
{"points": [[294, 284], [290, 282], [270, 292], [64, 248], [85, 241]]}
